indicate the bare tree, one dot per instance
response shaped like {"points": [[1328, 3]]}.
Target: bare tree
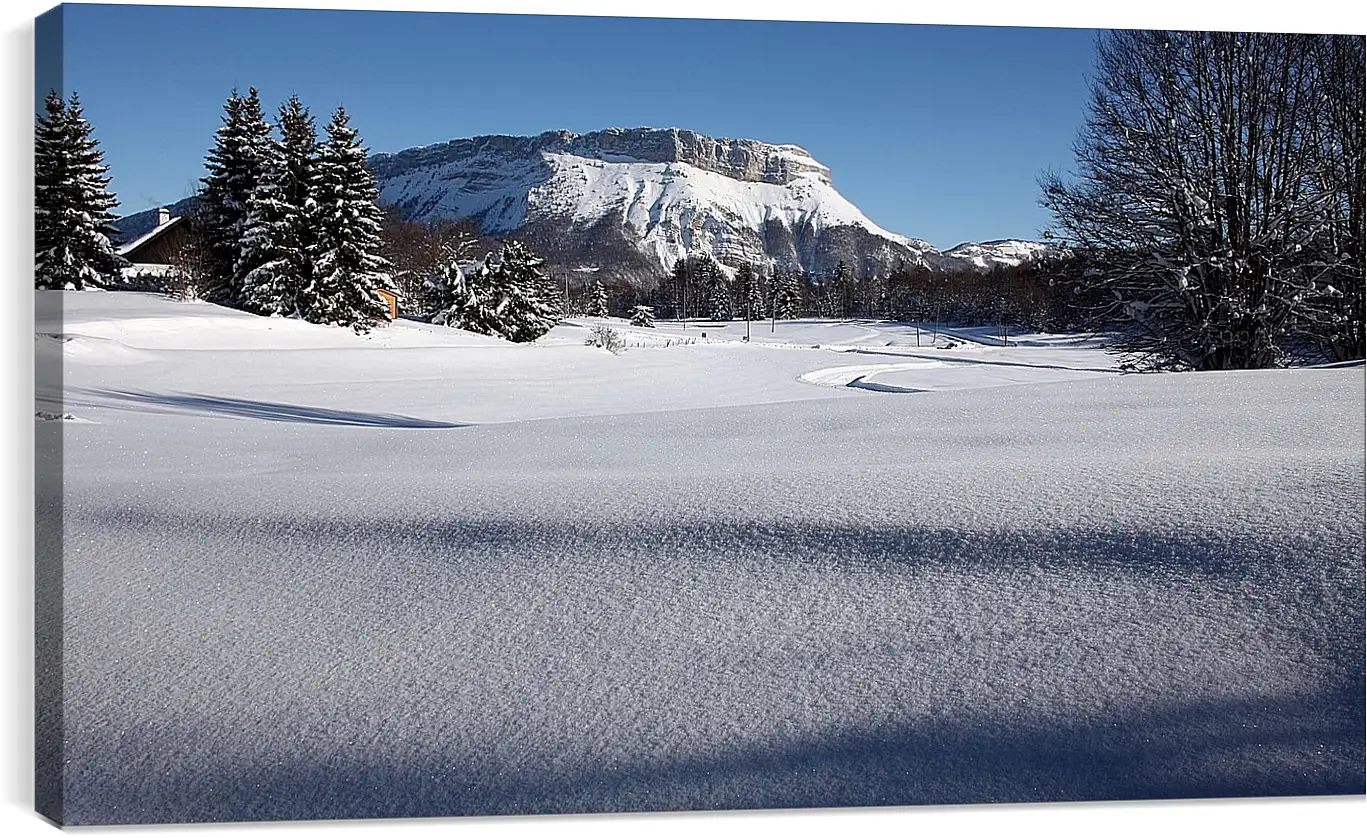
{"points": [[423, 253], [1336, 138], [193, 267], [1195, 201]]}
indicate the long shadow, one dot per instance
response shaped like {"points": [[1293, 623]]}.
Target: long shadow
{"points": [[1161, 555], [1322, 585], [266, 411], [1257, 746], [1226, 745]]}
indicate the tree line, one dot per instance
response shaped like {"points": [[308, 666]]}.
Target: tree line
{"points": [[1039, 295], [285, 223], [1215, 220]]}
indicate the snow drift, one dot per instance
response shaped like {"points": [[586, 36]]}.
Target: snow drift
{"points": [[769, 595]]}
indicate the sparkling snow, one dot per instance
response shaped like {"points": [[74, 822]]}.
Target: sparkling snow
{"points": [[316, 575]]}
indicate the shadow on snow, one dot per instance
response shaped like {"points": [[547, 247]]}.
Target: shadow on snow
{"points": [[1273, 745], [262, 410]]}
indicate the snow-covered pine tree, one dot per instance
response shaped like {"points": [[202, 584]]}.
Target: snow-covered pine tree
{"points": [[840, 291], [72, 221], [716, 288], [349, 271], [510, 298], [236, 166], [437, 260], [643, 316], [278, 246], [682, 288], [530, 307], [784, 295], [749, 292], [598, 300], [464, 302], [551, 293]]}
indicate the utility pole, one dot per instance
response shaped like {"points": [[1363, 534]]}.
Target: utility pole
{"points": [[683, 292]]}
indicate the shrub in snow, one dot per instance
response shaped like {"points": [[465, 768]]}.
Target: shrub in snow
{"points": [[643, 316], [606, 337]]}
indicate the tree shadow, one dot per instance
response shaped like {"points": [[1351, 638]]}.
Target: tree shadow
{"points": [[1244, 741], [1256, 746], [262, 410]]}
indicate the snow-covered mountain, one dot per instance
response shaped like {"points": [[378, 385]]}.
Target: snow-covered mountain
{"points": [[1005, 253], [628, 203], [632, 202]]}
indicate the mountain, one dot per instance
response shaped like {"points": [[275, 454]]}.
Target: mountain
{"points": [[632, 202], [1006, 253], [628, 203]]}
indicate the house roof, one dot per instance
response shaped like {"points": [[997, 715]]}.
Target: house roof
{"points": [[150, 235]]}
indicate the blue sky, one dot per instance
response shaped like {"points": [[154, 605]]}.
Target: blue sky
{"points": [[935, 132]]}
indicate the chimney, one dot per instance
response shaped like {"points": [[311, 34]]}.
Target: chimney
{"points": [[163, 215]]}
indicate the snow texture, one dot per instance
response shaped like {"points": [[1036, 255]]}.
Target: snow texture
{"points": [[311, 574]]}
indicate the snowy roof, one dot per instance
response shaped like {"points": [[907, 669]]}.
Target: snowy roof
{"points": [[155, 232]]}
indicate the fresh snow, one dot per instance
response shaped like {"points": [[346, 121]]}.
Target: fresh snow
{"points": [[310, 574]]}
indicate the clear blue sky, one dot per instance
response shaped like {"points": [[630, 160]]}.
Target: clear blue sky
{"points": [[934, 132]]}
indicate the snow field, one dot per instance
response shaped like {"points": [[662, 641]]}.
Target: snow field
{"points": [[704, 585]]}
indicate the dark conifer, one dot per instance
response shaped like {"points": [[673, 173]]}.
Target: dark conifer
{"points": [[348, 268], [236, 165], [598, 300], [72, 203], [279, 244]]}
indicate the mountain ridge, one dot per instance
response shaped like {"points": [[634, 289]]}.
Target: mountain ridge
{"points": [[629, 202]]}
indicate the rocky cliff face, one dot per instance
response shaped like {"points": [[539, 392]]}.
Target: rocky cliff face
{"points": [[631, 202], [742, 160]]}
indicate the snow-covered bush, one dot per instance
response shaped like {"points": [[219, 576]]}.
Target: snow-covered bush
{"points": [[606, 337]]}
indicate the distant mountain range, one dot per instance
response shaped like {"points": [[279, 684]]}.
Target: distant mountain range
{"points": [[628, 203]]}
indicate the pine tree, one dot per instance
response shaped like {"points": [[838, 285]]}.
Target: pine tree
{"points": [[598, 300], [643, 316], [784, 295], [716, 290], [72, 202], [278, 246], [750, 293], [463, 302], [349, 270], [840, 290], [236, 166], [530, 307], [551, 295], [682, 288], [508, 298]]}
